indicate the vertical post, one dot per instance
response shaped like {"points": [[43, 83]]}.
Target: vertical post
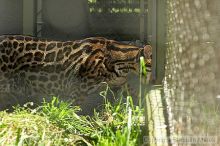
{"points": [[152, 32], [161, 40], [28, 17], [39, 18], [156, 29], [143, 11]]}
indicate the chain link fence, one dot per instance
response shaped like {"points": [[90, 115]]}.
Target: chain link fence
{"points": [[192, 79]]}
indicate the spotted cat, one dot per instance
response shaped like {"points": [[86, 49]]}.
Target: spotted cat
{"points": [[33, 67]]}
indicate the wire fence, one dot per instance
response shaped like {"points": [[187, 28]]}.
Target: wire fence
{"points": [[192, 80]]}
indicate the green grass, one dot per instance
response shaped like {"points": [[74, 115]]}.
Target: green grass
{"points": [[57, 123], [50, 124], [30, 129], [119, 124]]}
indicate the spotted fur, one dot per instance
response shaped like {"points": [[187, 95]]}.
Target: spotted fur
{"points": [[34, 67]]}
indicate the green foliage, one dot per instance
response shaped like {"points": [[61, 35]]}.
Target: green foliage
{"points": [[57, 123], [119, 124], [64, 115], [29, 128], [142, 67]]}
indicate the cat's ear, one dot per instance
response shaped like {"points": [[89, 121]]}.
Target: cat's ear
{"points": [[148, 51]]}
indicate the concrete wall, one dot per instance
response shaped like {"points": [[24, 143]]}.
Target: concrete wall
{"points": [[66, 19], [11, 16]]}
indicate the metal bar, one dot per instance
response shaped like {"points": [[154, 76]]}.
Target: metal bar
{"points": [[39, 18], [152, 32], [156, 30], [154, 37], [161, 40], [143, 20], [28, 17]]}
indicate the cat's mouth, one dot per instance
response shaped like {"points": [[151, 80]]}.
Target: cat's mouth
{"points": [[148, 67]]}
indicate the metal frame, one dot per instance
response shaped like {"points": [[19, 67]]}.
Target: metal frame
{"points": [[156, 34], [152, 32], [143, 18], [32, 17], [161, 40], [28, 17], [39, 17]]}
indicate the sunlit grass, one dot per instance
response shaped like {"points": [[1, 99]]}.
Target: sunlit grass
{"points": [[119, 124], [57, 123], [28, 127]]}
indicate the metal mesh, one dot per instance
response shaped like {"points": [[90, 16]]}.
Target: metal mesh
{"points": [[192, 80]]}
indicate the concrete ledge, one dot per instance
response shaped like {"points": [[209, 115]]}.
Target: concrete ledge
{"points": [[155, 119]]}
